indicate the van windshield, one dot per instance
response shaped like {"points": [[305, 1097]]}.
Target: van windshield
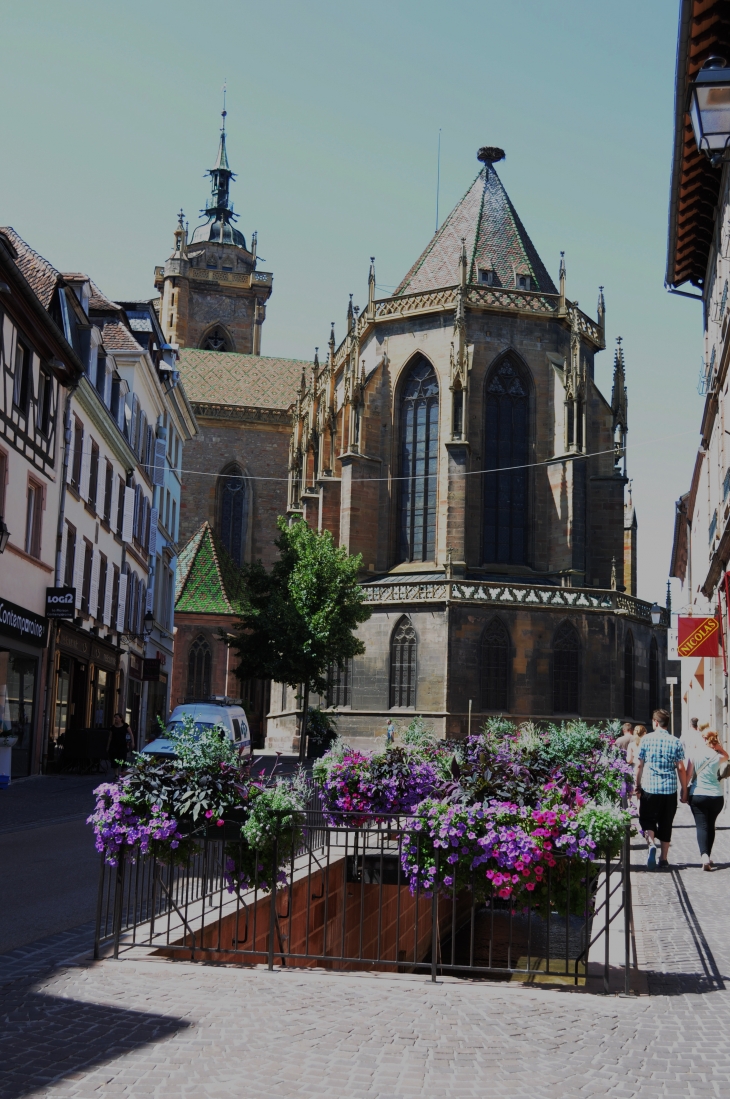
{"points": [[178, 726]]}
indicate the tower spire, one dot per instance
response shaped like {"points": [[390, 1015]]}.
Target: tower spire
{"points": [[220, 208], [619, 406]]}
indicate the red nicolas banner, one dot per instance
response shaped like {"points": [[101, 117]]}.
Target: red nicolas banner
{"points": [[698, 636]]}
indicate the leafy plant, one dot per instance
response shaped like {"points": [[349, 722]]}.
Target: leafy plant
{"points": [[300, 617], [322, 732]]}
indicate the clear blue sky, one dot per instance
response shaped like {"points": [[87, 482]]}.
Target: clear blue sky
{"points": [[111, 113]]}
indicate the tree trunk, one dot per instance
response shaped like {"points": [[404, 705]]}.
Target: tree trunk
{"points": [[303, 725]]}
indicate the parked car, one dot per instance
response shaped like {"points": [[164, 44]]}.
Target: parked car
{"points": [[206, 715]]}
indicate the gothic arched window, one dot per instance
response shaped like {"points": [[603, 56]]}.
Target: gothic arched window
{"points": [[199, 662], [339, 684], [403, 658], [216, 339], [495, 667], [629, 675], [419, 415], [653, 677], [506, 449], [566, 670], [233, 512]]}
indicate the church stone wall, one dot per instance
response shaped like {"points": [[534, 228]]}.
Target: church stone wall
{"points": [[261, 450]]}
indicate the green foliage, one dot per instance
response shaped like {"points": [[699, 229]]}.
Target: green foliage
{"points": [[605, 823], [419, 734], [299, 618], [335, 754], [270, 836], [199, 747], [321, 731]]}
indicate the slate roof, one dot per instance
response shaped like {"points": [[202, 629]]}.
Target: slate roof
{"points": [[223, 377], [41, 276], [206, 581], [496, 240]]}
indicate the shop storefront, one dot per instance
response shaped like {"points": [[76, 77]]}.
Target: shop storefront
{"points": [[84, 690], [157, 690], [134, 695], [23, 637]]}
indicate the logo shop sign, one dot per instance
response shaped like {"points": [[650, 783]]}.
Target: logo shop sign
{"points": [[60, 602], [698, 636], [22, 625]]}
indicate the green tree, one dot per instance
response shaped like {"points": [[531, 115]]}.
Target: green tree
{"points": [[299, 618]]}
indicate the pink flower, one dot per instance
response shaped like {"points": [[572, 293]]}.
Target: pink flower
{"points": [[219, 823], [209, 813]]}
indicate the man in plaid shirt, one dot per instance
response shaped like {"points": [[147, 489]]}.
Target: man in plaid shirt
{"points": [[660, 764]]}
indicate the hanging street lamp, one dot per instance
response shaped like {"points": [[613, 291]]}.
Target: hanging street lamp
{"points": [[709, 109]]}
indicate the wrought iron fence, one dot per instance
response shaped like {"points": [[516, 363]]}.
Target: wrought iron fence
{"points": [[344, 901]]}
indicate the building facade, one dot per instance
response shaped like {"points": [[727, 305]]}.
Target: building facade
{"points": [[40, 364], [698, 257], [111, 566], [457, 440]]}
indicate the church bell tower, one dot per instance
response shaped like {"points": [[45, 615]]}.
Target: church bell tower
{"points": [[212, 295]]}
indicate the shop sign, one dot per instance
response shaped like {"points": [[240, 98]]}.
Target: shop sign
{"points": [[104, 655], [60, 602], [77, 643], [135, 666], [151, 670], [22, 625], [698, 637]]}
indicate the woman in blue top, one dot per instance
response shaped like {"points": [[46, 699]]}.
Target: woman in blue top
{"points": [[705, 792]]}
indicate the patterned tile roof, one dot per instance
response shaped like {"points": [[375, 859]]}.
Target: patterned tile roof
{"points": [[496, 240], [41, 276], [207, 581], [223, 377]]}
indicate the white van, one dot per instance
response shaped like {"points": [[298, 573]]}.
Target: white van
{"points": [[205, 715]]}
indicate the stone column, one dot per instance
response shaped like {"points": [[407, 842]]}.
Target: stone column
{"points": [[458, 465], [359, 508]]}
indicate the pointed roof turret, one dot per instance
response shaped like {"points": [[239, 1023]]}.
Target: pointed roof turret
{"points": [[207, 581], [495, 238], [219, 211]]}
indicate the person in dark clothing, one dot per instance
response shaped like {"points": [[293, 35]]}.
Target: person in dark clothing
{"points": [[120, 743]]}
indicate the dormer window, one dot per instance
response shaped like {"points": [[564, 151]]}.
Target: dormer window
{"points": [[487, 276], [212, 261], [523, 282]]}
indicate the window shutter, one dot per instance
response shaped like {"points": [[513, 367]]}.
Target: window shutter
{"points": [[128, 519], [79, 570], [107, 618], [94, 589], [150, 597], [152, 547], [85, 468], [122, 606], [70, 470], [158, 473]]}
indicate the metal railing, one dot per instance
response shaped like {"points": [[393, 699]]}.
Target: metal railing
{"points": [[344, 902]]}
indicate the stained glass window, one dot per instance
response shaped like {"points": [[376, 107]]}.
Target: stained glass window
{"points": [[233, 511], [566, 670], [199, 662], [418, 464], [403, 654], [495, 667], [506, 449]]}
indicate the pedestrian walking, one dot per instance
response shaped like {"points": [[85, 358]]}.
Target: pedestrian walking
{"points": [[632, 748], [120, 743], [704, 791], [627, 733], [659, 769]]}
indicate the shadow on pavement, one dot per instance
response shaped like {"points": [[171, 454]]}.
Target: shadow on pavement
{"points": [[45, 1038]]}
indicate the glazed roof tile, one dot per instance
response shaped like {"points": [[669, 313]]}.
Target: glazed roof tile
{"points": [[41, 276], [495, 239], [207, 581], [223, 377]]}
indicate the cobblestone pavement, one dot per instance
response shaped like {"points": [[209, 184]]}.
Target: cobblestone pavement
{"points": [[151, 1029]]}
